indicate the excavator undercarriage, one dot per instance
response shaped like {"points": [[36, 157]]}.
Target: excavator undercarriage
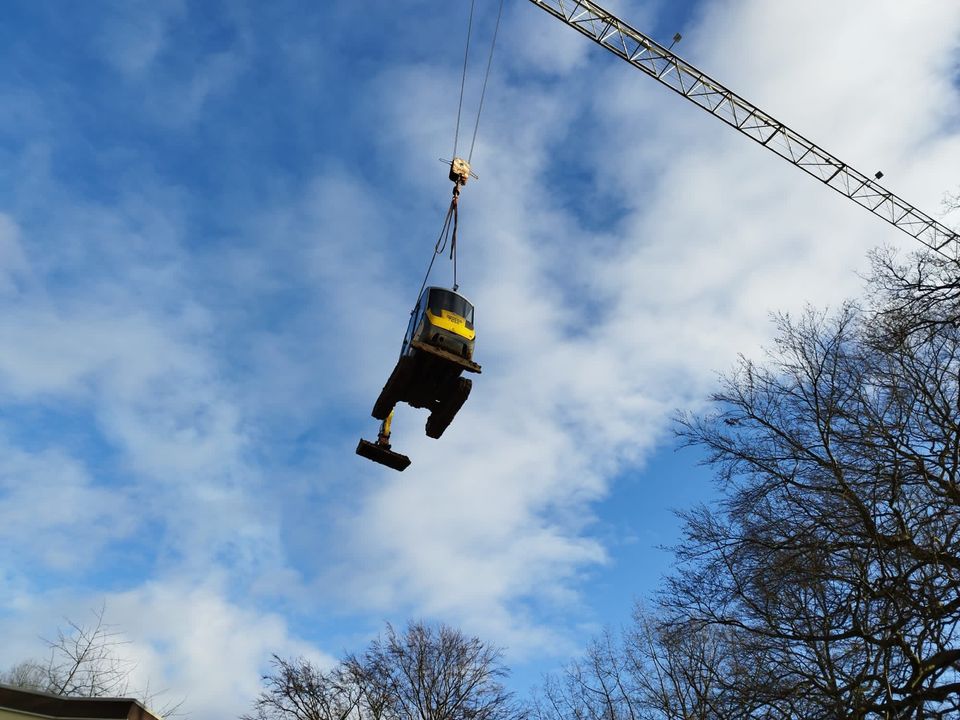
{"points": [[427, 377], [437, 350]]}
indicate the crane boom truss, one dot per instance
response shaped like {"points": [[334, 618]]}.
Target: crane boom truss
{"points": [[680, 76]]}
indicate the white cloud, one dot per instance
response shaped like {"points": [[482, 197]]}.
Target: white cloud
{"points": [[620, 246], [154, 47], [192, 642], [53, 513], [123, 340]]}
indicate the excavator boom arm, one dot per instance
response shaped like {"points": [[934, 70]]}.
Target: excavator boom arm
{"points": [[658, 62]]}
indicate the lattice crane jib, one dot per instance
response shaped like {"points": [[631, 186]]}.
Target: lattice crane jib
{"points": [[645, 54]]}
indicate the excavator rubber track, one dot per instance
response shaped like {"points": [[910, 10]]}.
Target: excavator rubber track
{"points": [[409, 380], [392, 392], [448, 408]]}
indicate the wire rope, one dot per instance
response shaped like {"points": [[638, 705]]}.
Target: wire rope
{"points": [[453, 242], [441, 244], [486, 77], [463, 78], [448, 233]]}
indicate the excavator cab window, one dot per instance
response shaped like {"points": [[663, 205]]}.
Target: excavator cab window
{"points": [[415, 316], [442, 299]]}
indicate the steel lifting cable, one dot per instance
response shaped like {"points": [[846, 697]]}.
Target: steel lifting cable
{"points": [[449, 230], [441, 245], [486, 76], [473, 141], [463, 78]]}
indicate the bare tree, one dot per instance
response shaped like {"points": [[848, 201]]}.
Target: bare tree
{"points": [[920, 293], [835, 553], [85, 661], [298, 690], [602, 685], [914, 295], [27, 674], [693, 671], [655, 671], [425, 673], [438, 673]]}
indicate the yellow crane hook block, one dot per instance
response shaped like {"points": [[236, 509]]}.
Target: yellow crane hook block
{"points": [[459, 171]]}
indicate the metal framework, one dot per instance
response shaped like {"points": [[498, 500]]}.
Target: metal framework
{"points": [[680, 76]]}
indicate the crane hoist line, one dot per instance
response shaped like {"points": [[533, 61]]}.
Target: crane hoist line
{"points": [[645, 54]]}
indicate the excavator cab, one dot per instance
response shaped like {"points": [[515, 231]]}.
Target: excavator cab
{"points": [[437, 349], [443, 319]]}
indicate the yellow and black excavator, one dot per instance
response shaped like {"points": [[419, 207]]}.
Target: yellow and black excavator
{"points": [[437, 350]]}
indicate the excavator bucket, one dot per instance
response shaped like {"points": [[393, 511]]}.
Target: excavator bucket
{"points": [[381, 453]]}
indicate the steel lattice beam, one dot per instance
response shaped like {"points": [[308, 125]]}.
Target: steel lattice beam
{"points": [[662, 65]]}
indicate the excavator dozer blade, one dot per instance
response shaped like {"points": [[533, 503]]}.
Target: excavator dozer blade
{"points": [[382, 455]]}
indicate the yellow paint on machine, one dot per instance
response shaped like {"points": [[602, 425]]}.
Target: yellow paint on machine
{"points": [[452, 322]]}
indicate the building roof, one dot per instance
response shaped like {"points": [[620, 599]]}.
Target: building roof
{"points": [[57, 706]]}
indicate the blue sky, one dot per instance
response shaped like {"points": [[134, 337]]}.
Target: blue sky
{"points": [[214, 218]]}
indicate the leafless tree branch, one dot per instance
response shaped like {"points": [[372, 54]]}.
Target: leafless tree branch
{"points": [[422, 673]]}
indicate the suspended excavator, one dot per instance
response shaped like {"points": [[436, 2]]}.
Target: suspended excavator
{"points": [[437, 350]]}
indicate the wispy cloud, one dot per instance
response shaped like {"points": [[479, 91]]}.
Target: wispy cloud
{"points": [[200, 303]]}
